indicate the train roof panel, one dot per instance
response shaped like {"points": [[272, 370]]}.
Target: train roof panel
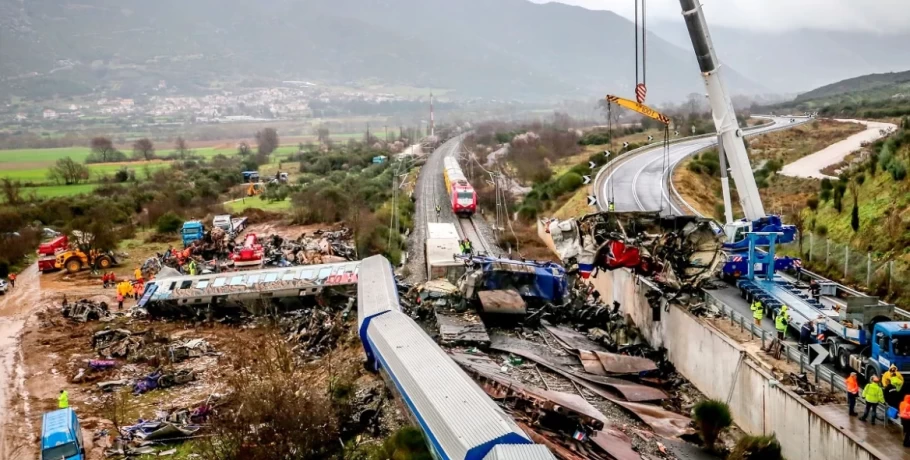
{"points": [[460, 419]]}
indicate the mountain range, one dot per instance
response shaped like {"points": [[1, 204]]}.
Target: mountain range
{"points": [[487, 48], [502, 49]]}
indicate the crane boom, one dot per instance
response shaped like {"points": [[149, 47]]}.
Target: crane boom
{"points": [[640, 108], [722, 109]]}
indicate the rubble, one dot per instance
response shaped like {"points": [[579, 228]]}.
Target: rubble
{"points": [[314, 331], [86, 310], [162, 379], [679, 253], [123, 343], [190, 349]]}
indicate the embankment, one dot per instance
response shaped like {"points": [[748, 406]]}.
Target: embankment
{"points": [[721, 369]]}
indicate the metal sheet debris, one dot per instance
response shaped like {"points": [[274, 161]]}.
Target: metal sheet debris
{"points": [[628, 390], [461, 328], [622, 364], [573, 340]]}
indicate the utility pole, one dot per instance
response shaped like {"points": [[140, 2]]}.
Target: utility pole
{"points": [[432, 118]]}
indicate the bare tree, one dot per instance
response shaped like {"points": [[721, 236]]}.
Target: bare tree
{"points": [[267, 141], [68, 172], [323, 135], [144, 149], [103, 147], [181, 149], [795, 217], [243, 149]]}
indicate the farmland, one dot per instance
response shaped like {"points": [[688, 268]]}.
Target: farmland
{"points": [[30, 166]]}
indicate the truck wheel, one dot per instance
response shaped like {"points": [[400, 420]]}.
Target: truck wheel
{"points": [[73, 265], [843, 359], [870, 372], [104, 262]]}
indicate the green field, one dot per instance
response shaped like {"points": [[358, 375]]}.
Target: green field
{"points": [[256, 203], [48, 191]]}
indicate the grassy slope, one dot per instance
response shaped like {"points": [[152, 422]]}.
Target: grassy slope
{"points": [[784, 193], [235, 207]]}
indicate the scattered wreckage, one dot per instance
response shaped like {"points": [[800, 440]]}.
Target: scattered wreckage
{"points": [[677, 252], [84, 310]]}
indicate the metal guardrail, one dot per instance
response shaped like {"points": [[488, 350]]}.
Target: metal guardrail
{"points": [[792, 353]]}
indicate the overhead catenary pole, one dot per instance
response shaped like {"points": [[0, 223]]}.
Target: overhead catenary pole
{"points": [[722, 109]]}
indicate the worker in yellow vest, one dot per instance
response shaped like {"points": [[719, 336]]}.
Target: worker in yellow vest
{"points": [[758, 312], [780, 323], [63, 401]]}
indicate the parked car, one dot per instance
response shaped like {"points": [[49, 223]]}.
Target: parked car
{"points": [[4, 286]]}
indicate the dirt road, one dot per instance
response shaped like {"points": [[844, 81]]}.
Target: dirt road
{"points": [[15, 308], [811, 166]]}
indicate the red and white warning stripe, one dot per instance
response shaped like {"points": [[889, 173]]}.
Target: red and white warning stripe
{"points": [[641, 91]]}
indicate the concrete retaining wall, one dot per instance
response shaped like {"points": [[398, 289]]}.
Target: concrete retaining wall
{"points": [[715, 363]]}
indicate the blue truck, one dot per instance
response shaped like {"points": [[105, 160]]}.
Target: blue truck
{"points": [[191, 231], [61, 436], [737, 265], [735, 232], [859, 331]]}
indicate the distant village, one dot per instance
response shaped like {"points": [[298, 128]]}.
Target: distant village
{"points": [[294, 100]]}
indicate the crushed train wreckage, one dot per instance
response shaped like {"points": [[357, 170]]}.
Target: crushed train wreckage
{"points": [[677, 252]]}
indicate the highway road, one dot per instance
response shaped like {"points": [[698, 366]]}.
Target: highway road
{"points": [[638, 181]]}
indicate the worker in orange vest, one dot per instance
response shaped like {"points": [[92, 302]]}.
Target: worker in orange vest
{"points": [[905, 419], [852, 393], [12, 279]]}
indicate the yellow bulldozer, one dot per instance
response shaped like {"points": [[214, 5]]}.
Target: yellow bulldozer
{"points": [[74, 260]]}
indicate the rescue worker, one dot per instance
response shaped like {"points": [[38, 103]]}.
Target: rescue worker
{"points": [[461, 246], [893, 378], [137, 273], [12, 279], [780, 323], [192, 267], [784, 310], [63, 401], [904, 414], [758, 312], [467, 247], [852, 393], [611, 207], [119, 300], [438, 210], [873, 396], [805, 334]]}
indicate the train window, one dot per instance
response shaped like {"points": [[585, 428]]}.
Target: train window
{"points": [[306, 274], [186, 284], [270, 277], [219, 282], [237, 280], [253, 279], [465, 195], [288, 276], [173, 285], [325, 272], [202, 284]]}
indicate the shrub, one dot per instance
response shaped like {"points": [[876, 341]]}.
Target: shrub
{"points": [[695, 167], [712, 417], [596, 137], [812, 203], [897, 170], [860, 179], [169, 223], [757, 448], [569, 182], [826, 184], [825, 195], [821, 229], [122, 175]]}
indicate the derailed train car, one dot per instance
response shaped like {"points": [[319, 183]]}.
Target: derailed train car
{"points": [[457, 418], [676, 251]]}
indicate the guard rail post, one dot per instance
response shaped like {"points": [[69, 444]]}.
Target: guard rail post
{"points": [[868, 269], [846, 260]]}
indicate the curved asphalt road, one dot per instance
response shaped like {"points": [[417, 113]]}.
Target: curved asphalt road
{"points": [[638, 182]]}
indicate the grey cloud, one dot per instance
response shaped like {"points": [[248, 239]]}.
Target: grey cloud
{"points": [[882, 16]]}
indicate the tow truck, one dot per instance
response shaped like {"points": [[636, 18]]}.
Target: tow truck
{"points": [[231, 225], [250, 254]]}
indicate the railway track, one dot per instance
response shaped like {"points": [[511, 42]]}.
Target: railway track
{"points": [[470, 232]]}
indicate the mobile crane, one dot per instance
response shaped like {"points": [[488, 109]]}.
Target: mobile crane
{"points": [[731, 146]]}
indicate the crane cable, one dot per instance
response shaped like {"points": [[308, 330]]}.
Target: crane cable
{"points": [[640, 88], [608, 159]]}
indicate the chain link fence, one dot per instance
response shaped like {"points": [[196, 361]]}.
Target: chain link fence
{"points": [[873, 273]]}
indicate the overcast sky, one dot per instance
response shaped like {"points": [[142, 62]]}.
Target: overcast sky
{"points": [[886, 16]]}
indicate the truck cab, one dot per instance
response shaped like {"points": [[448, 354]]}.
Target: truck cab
{"points": [[224, 222], [192, 230], [61, 436], [890, 346], [735, 232]]}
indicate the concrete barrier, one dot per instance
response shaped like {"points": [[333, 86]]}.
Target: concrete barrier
{"points": [[721, 369]]}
